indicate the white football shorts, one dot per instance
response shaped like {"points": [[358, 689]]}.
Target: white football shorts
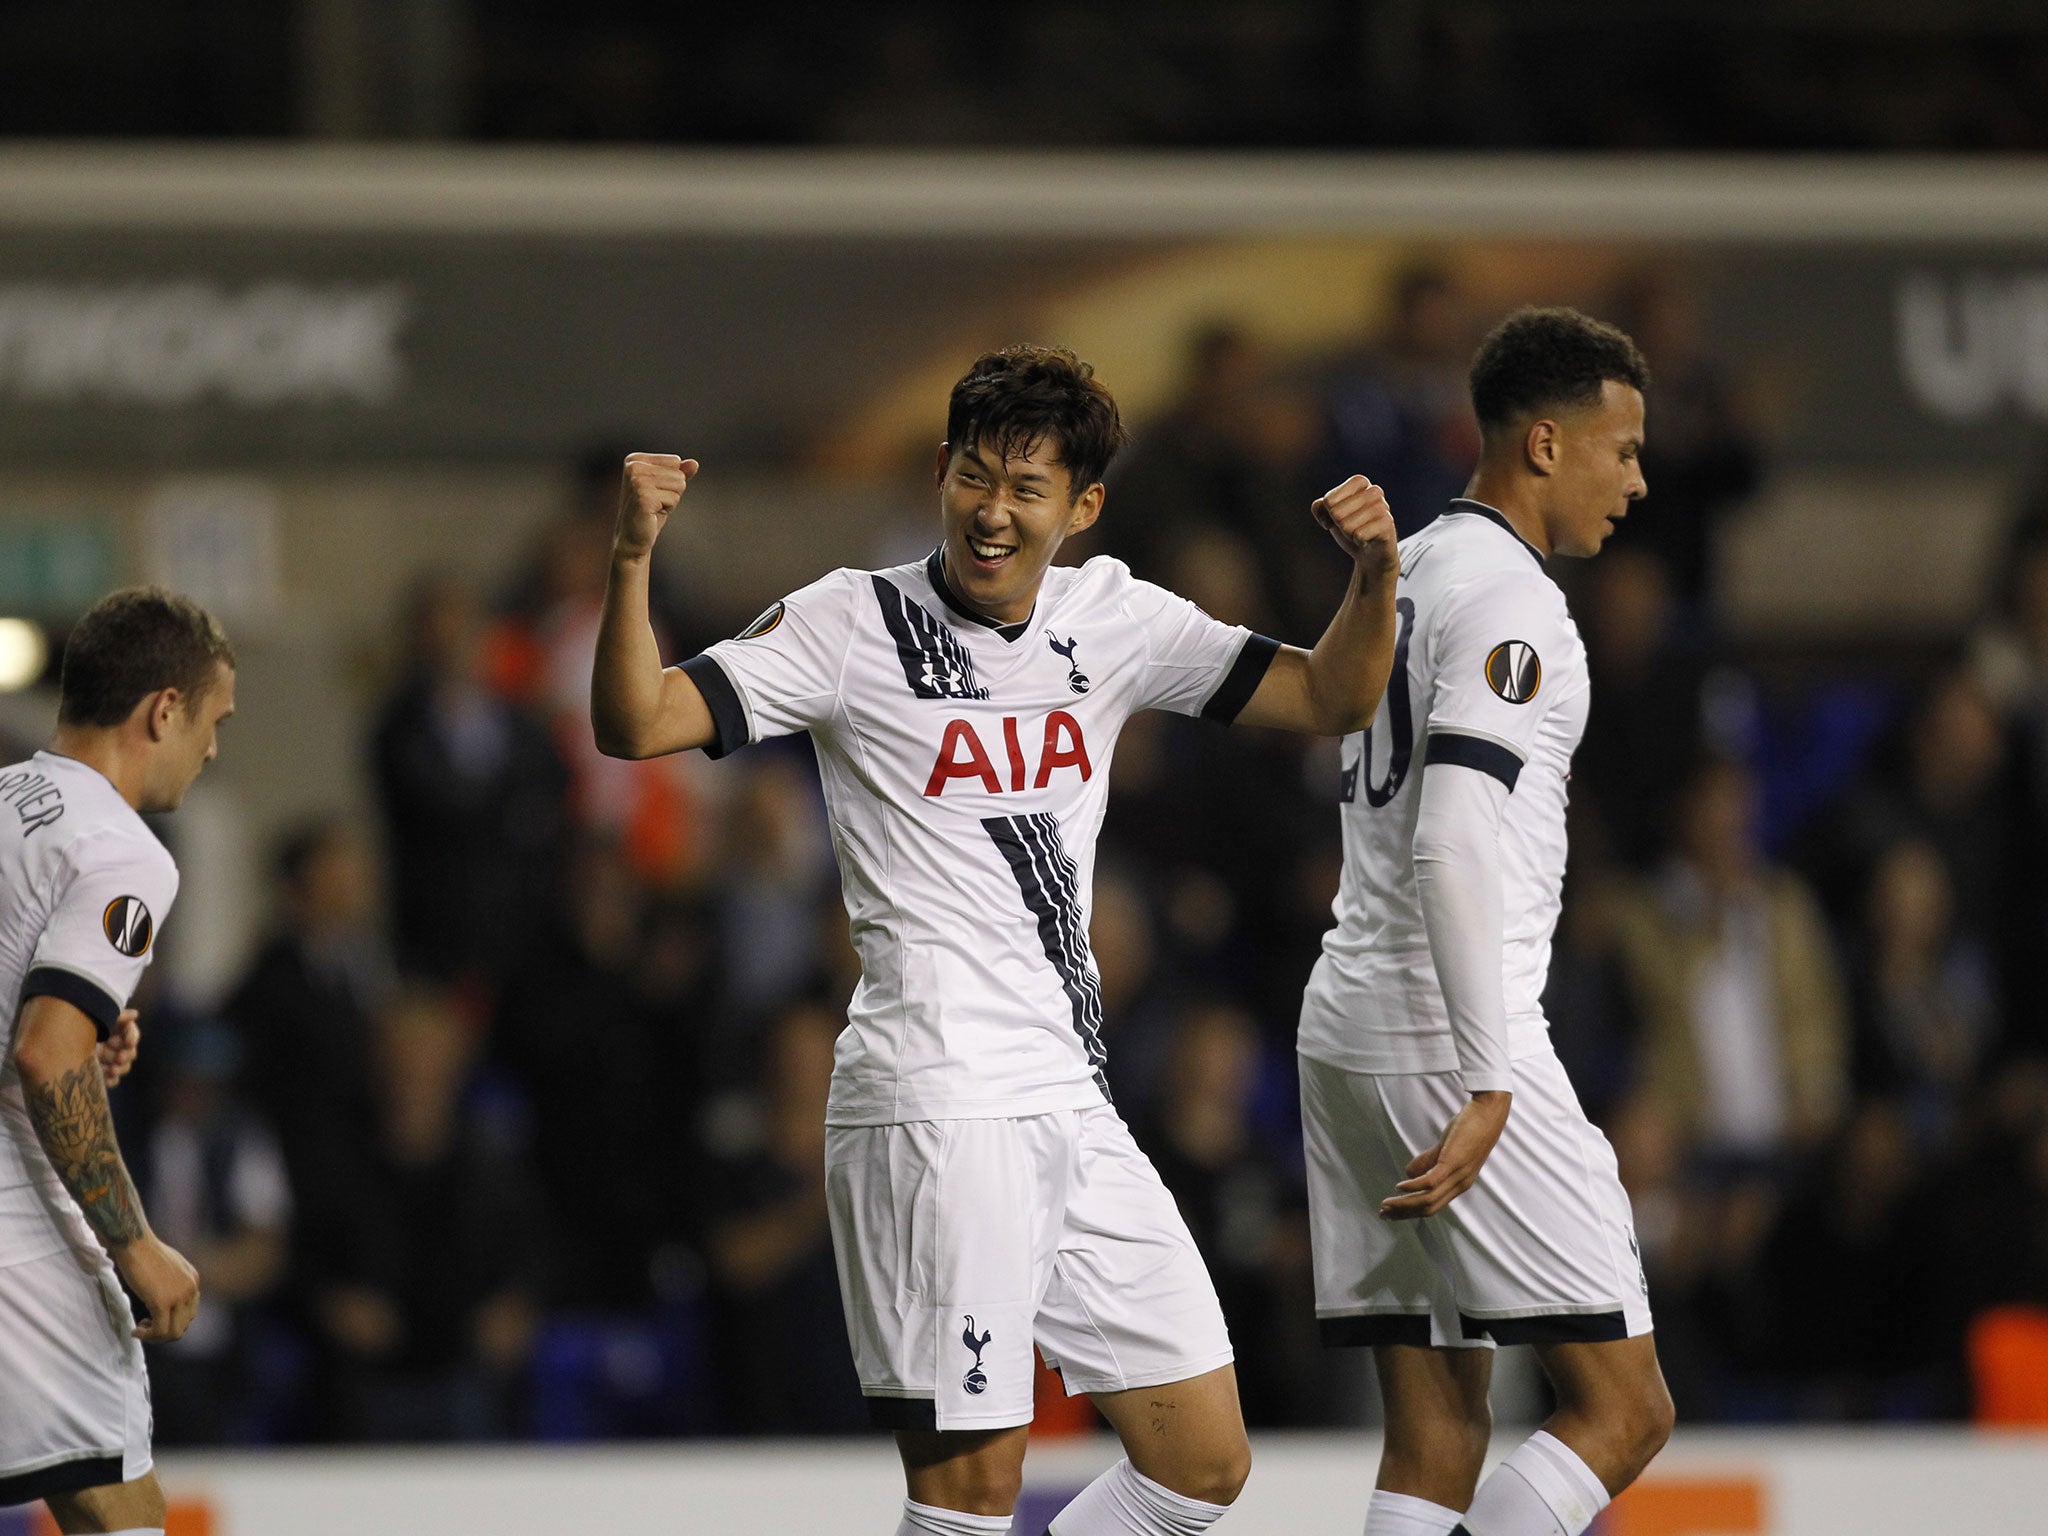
{"points": [[1542, 1249], [961, 1243], [74, 1393]]}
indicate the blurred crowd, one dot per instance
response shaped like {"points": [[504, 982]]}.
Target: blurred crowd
{"points": [[514, 1126]]}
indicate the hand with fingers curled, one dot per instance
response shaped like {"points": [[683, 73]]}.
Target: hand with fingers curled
{"points": [[117, 1052], [164, 1282], [650, 487], [1445, 1171], [1358, 518]]}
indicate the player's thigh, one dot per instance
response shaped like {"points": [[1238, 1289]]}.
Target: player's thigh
{"points": [[1129, 1303], [943, 1232], [1377, 1282], [74, 1392], [1542, 1248], [137, 1505]]}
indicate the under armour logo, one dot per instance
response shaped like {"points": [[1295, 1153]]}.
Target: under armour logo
{"points": [[976, 1379], [1076, 678]]}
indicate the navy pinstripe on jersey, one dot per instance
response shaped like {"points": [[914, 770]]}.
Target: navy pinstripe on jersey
{"points": [[935, 664], [1050, 886]]}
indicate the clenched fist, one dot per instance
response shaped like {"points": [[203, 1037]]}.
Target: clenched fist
{"points": [[1358, 519], [648, 491]]}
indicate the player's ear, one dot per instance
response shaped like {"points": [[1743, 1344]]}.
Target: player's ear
{"points": [[157, 711], [1540, 447], [1086, 508], [939, 468]]}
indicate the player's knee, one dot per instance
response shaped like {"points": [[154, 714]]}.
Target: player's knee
{"points": [[1656, 1418], [1223, 1473]]}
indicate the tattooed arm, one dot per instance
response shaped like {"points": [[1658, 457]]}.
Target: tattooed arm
{"points": [[55, 1049]]}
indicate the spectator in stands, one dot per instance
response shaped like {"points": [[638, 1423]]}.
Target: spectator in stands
{"points": [[1925, 999], [1844, 1253], [575, 1032], [304, 1014], [1745, 1038], [1231, 453], [472, 794], [1702, 461], [1649, 726], [783, 1359], [428, 1283], [1243, 1201], [216, 1188], [1400, 411]]}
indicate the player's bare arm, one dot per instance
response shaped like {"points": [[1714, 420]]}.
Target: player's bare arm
{"points": [[638, 708], [1335, 688], [66, 1095]]}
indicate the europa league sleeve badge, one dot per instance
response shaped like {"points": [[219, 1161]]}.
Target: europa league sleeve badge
{"points": [[1514, 671]]}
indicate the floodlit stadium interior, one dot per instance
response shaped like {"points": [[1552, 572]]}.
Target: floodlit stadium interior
{"points": [[483, 1075]]}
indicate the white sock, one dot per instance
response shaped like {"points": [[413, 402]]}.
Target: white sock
{"points": [[1125, 1502], [1402, 1514], [930, 1520], [1542, 1489]]}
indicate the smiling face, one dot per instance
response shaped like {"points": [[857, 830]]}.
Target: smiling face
{"points": [[1594, 469], [1004, 520]]}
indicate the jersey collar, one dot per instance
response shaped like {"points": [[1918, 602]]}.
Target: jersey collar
{"points": [[935, 570], [1494, 515]]}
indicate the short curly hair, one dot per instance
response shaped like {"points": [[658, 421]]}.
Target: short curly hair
{"points": [[133, 643], [1012, 400], [1541, 359]]}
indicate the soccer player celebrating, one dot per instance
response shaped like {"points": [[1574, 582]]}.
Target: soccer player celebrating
{"points": [[1431, 1097], [984, 1194], [84, 889]]}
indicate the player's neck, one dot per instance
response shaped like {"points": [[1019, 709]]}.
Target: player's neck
{"points": [[110, 753], [1514, 499]]}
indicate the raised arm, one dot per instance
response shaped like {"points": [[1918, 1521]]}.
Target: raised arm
{"points": [[56, 1052], [1334, 689], [638, 708]]}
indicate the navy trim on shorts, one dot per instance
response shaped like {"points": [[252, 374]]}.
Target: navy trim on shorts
{"points": [[88, 997], [1462, 751], [728, 715], [903, 1412], [63, 1477], [1548, 1328], [1374, 1329]]}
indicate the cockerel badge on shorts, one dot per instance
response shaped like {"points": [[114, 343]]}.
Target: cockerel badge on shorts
{"points": [[976, 1379], [1514, 671], [128, 925]]}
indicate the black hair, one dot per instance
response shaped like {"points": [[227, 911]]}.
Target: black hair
{"points": [[1011, 401], [133, 643], [1541, 359]]}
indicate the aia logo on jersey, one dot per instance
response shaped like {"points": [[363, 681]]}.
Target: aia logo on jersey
{"points": [[1076, 678], [963, 755], [763, 624], [128, 926], [976, 1379], [1514, 671]]}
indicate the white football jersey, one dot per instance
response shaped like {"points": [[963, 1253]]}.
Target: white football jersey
{"points": [[1489, 673], [966, 766], [84, 886]]}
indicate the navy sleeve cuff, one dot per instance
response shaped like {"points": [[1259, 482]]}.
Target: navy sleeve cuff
{"points": [[1242, 680], [70, 987], [728, 715], [1488, 757]]}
